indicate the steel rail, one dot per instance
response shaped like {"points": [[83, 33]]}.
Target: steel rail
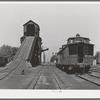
{"points": [[55, 77], [88, 80], [34, 81]]}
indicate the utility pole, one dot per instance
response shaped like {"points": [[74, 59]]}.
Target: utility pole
{"points": [[44, 57]]}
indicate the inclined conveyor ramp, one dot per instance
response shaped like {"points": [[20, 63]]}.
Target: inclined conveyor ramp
{"points": [[23, 56]]}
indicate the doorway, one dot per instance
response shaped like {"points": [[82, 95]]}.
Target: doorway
{"points": [[30, 30], [80, 54]]}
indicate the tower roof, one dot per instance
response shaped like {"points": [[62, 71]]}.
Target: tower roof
{"points": [[31, 22]]}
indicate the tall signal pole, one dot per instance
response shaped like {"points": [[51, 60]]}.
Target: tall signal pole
{"points": [[44, 57]]}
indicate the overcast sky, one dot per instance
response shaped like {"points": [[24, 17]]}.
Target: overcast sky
{"points": [[57, 23]]}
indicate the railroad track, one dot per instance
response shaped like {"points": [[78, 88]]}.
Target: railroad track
{"points": [[55, 77], [94, 76], [36, 82], [95, 69], [80, 76], [91, 78], [33, 83]]}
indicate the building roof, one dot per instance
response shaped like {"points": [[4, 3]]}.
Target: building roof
{"points": [[78, 36], [32, 22]]}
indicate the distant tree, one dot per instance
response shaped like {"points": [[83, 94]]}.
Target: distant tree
{"points": [[53, 58], [7, 50], [97, 55], [14, 50]]}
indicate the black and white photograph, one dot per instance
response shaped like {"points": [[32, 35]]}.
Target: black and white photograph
{"points": [[50, 46]]}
